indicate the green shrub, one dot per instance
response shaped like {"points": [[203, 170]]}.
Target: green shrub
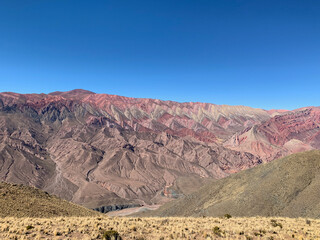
{"points": [[29, 227], [227, 216]]}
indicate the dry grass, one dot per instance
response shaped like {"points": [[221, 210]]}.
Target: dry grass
{"points": [[159, 228], [24, 201], [286, 187]]}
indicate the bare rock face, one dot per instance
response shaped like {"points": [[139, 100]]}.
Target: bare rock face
{"points": [[284, 134], [99, 149]]}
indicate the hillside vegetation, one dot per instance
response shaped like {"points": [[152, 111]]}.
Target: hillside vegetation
{"points": [[287, 187], [23, 201]]}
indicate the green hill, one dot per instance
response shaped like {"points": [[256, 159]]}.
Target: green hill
{"points": [[287, 187], [23, 201]]}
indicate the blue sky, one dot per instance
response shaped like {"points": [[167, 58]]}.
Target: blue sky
{"points": [[262, 53]]}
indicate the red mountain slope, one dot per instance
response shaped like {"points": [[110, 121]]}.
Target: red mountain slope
{"points": [[99, 149], [281, 135]]}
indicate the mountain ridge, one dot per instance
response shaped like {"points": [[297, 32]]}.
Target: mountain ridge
{"points": [[100, 149]]}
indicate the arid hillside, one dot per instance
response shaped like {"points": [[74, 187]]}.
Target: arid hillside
{"points": [[23, 201], [287, 187]]}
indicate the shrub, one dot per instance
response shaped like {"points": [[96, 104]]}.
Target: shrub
{"points": [[111, 235], [274, 223], [217, 231], [29, 227], [227, 216], [262, 231]]}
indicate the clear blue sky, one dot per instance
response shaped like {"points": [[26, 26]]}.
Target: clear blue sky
{"points": [[259, 53]]}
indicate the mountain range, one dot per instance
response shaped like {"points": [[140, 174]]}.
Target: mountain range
{"points": [[99, 149]]}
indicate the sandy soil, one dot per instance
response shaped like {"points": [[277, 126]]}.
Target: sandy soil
{"points": [[129, 211]]}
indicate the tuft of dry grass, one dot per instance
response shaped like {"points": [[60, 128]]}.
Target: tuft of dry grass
{"points": [[159, 228]]}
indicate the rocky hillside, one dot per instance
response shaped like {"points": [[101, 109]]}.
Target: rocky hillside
{"points": [[204, 121], [285, 187], [99, 149], [284, 134], [23, 201]]}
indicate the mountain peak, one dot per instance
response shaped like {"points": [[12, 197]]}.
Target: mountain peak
{"points": [[72, 92]]}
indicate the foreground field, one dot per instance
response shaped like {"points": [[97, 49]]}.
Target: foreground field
{"points": [[159, 228]]}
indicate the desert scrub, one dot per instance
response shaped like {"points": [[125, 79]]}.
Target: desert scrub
{"points": [[29, 227], [274, 223], [111, 235], [153, 228], [217, 231], [308, 222]]}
